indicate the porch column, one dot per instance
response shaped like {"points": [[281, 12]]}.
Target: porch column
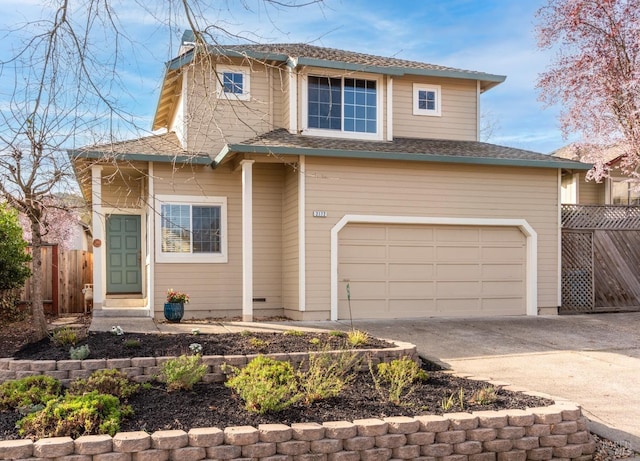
{"points": [[98, 223], [247, 240]]}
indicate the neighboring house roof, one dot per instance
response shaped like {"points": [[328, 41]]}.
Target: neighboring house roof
{"points": [[413, 149], [299, 54], [158, 148], [589, 153]]}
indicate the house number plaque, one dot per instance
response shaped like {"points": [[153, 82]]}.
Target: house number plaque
{"points": [[319, 214]]}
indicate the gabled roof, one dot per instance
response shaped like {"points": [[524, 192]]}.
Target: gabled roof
{"points": [[281, 142], [158, 148], [299, 54]]}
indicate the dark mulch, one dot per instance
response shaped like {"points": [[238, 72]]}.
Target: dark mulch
{"points": [[109, 346], [215, 405]]}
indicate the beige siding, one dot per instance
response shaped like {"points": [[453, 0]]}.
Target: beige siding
{"points": [[290, 258], [420, 189], [459, 110], [213, 122], [122, 189], [215, 289], [268, 179], [590, 192]]}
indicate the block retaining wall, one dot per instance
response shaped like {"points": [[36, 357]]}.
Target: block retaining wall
{"points": [[142, 369], [555, 433]]}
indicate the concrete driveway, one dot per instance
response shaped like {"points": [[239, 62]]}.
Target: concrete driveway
{"points": [[593, 360]]}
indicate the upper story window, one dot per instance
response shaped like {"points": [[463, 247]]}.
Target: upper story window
{"points": [[233, 82], [426, 100], [341, 106], [191, 229], [625, 192]]}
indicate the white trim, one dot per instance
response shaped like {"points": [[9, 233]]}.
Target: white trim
{"points": [[293, 101], [195, 258], [151, 281], [143, 231], [559, 251], [377, 136], [302, 239], [389, 108], [531, 296], [247, 240], [608, 186], [437, 112], [98, 225], [478, 110], [246, 82]]}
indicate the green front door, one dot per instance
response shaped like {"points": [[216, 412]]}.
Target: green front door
{"points": [[124, 272]]}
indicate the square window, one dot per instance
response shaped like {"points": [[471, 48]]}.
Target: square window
{"points": [[426, 100], [233, 83]]}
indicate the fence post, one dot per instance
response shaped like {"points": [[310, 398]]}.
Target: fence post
{"points": [[55, 281]]}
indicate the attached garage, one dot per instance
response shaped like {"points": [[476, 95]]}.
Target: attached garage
{"points": [[417, 270]]}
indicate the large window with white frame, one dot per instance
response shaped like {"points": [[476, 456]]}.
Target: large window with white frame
{"points": [[233, 82], [191, 229], [427, 100], [625, 192], [343, 106]]}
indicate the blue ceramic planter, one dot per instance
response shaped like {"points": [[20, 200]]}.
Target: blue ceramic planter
{"points": [[173, 312]]}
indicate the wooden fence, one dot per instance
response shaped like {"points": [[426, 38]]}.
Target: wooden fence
{"points": [[600, 258], [64, 274]]}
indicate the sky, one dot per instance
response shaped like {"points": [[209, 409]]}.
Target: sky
{"points": [[491, 36]]}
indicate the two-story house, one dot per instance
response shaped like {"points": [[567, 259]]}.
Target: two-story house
{"points": [[319, 183]]}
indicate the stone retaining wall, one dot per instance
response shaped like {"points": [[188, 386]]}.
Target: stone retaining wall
{"points": [[558, 432], [142, 369]]}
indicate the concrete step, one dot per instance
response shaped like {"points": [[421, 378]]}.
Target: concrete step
{"points": [[140, 312], [121, 303]]}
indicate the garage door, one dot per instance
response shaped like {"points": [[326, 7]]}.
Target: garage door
{"points": [[398, 271]]}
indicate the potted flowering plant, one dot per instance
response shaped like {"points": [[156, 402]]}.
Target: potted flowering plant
{"points": [[174, 307]]}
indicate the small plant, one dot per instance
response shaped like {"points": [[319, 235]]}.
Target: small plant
{"points": [[400, 375], [357, 338], [183, 372], [65, 336], [315, 341], [132, 343], [112, 382], [74, 416], [447, 402], [117, 330], [79, 353], [265, 385], [28, 392], [195, 348], [337, 334], [174, 296], [461, 398], [258, 343], [245, 333], [327, 375], [293, 333], [485, 396], [195, 331]]}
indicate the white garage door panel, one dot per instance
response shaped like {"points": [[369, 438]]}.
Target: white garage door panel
{"points": [[430, 270]]}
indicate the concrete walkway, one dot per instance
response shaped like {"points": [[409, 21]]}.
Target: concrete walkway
{"points": [[593, 360]]}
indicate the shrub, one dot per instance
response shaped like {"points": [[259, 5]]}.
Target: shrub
{"points": [[112, 382], [79, 353], [10, 308], [293, 333], [337, 333], [14, 269], [132, 343], [28, 392], [265, 385], [357, 338], [183, 372], [74, 416], [327, 375], [485, 396], [65, 336], [258, 343], [400, 375]]}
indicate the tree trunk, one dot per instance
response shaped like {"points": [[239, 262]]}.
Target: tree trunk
{"points": [[37, 307]]}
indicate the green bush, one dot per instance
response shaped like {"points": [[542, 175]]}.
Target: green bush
{"points": [[327, 375], [28, 392], [400, 375], [112, 382], [10, 308], [357, 338], [265, 385], [74, 416], [183, 372], [14, 269], [80, 352], [65, 336]]}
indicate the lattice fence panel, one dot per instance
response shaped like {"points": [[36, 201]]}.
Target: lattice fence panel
{"points": [[577, 272], [600, 217]]}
